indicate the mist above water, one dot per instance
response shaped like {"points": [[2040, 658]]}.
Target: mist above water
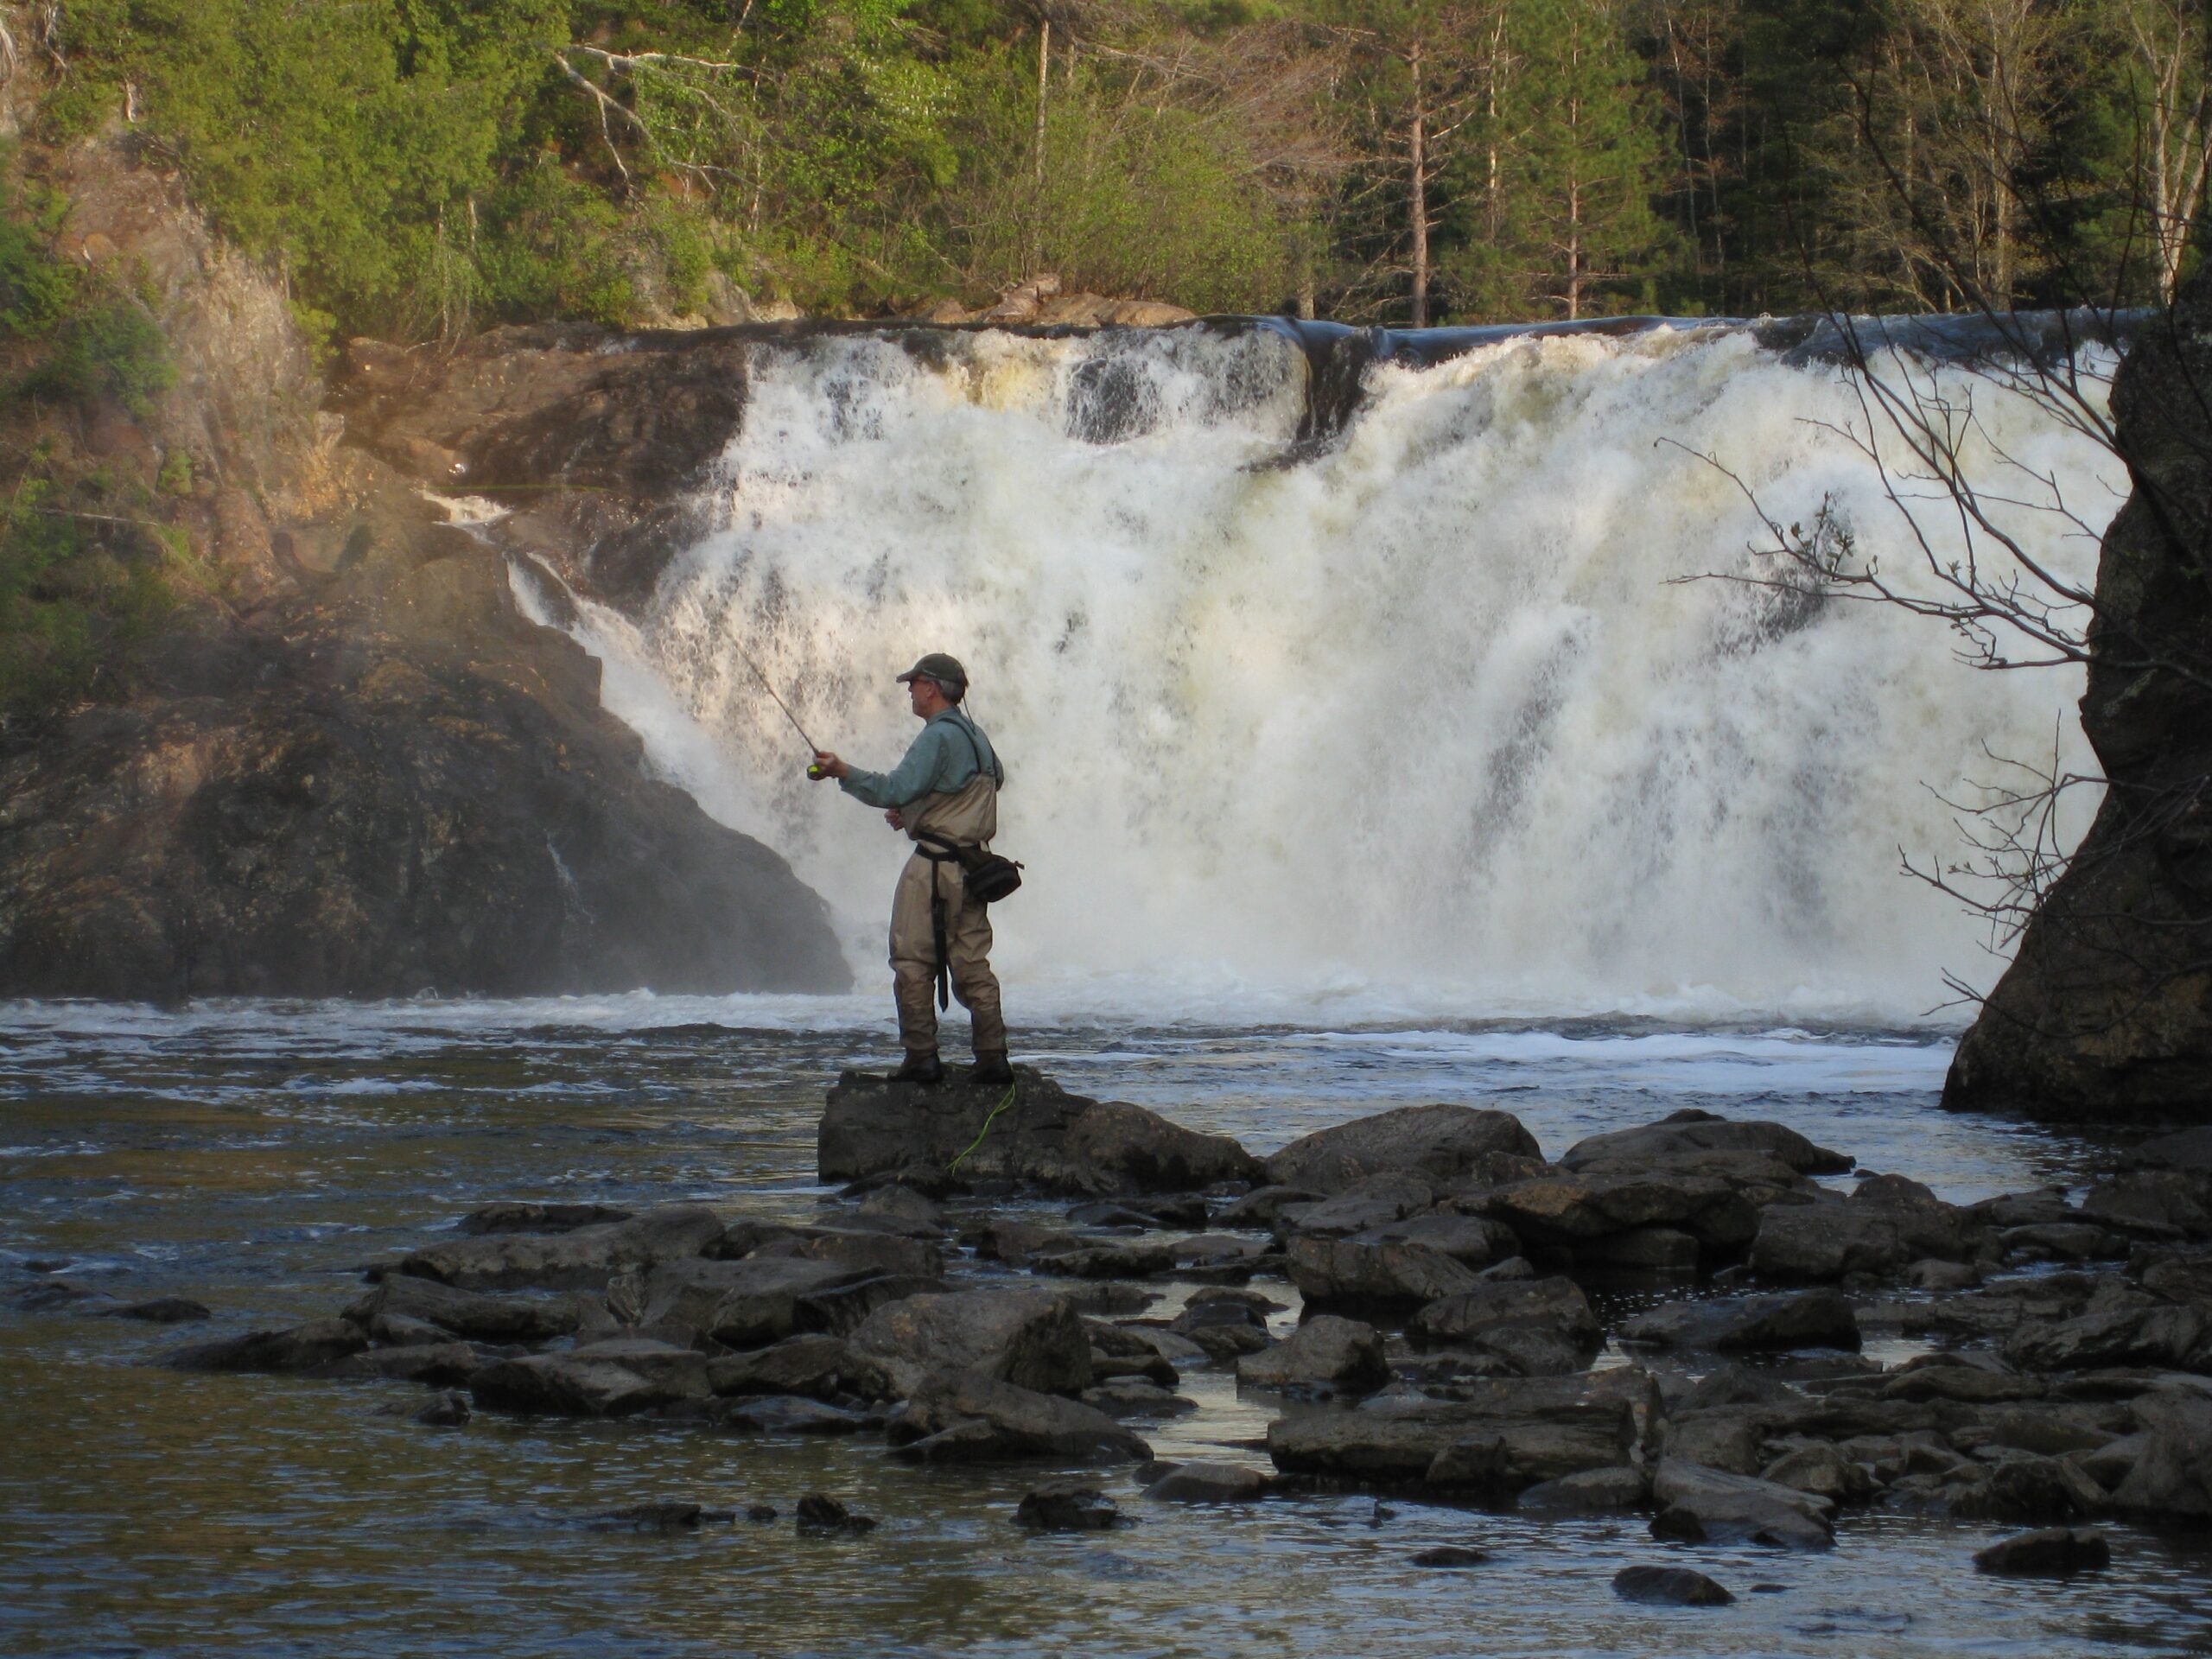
{"points": [[1424, 724]]}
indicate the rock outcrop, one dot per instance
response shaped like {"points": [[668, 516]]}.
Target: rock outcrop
{"points": [[349, 764], [2107, 1010]]}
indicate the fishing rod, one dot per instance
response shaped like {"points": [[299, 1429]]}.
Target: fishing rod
{"points": [[813, 771]]}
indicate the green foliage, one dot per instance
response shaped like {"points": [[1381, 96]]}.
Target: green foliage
{"points": [[111, 348], [69, 605]]}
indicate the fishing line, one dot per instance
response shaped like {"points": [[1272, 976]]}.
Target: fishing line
{"points": [[812, 748]]}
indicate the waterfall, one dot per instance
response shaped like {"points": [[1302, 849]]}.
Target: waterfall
{"points": [[1420, 721]]}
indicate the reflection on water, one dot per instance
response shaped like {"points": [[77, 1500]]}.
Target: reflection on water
{"points": [[254, 1156]]}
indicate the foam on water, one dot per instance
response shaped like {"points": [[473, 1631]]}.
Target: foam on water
{"points": [[1425, 727]]}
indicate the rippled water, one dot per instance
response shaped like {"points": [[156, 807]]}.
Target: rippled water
{"points": [[254, 1156]]}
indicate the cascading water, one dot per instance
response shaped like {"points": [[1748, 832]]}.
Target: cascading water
{"points": [[1421, 724]]}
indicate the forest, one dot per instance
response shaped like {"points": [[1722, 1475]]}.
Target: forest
{"points": [[420, 168]]}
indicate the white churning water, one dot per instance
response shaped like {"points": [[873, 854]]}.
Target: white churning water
{"points": [[1422, 725]]}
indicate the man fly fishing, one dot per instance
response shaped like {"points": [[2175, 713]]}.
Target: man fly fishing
{"points": [[944, 794]]}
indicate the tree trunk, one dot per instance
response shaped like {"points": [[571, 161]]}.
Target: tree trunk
{"points": [[1419, 182], [1044, 85]]}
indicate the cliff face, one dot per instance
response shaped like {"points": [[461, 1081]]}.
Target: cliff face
{"points": [[2107, 1010], [352, 767]]}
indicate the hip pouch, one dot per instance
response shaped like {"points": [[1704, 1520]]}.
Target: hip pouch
{"points": [[989, 877]]}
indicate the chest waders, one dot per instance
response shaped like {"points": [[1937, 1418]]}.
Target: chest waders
{"points": [[941, 852]]}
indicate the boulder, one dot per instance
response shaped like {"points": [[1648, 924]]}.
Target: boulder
{"points": [[1262, 1205], [1592, 1491], [1045, 1137], [1066, 1507], [1327, 1355], [1692, 1132], [585, 1257], [1730, 1438], [449, 1410], [963, 1416], [2170, 1484], [1446, 1143], [1816, 1243], [510, 1216], [1222, 1330], [1371, 1201], [563, 1385], [1669, 1586], [842, 1309], [1210, 1483], [1471, 1241], [1501, 1438], [1818, 1468], [2047, 1553], [1130, 1398], [740, 1304], [1574, 1208], [161, 1310], [771, 1413], [818, 1512], [1647, 1249], [816, 1366], [2151, 1333], [438, 1363], [1812, 1318], [1702, 1505], [2186, 1149], [877, 1254], [1475, 1316], [1030, 1339], [2160, 1202], [680, 1372], [1346, 1270], [2021, 1491], [1450, 1555], [465, 1314], [306, 1347]]}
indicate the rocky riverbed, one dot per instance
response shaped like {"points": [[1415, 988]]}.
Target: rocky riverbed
{"points": [[1694, 1327]]}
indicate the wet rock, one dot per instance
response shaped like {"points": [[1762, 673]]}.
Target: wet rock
{"points": [[1749, 1323], [1103, 1258], [1816, 1243], [562, 1385], [1327, 1355], [584, 1258], [2061, 1242], [1178, 1349], [1702, 1505], [1219, 1256], [969, 1417], [820, 1513], [306, 1347], [1591, 1491], [449, 1409], [2145, 1334], [2170, 1484], [1045, 1137], [161, 1310], [2022, 1491], [1450, 1555], [2049, 1552], [53, 1294], [1210, 1483], [1389, 1195], [1939, 1276], [877, 1254], [1064, 1507], [1819, 1469], [2170, 1202], [842, 1309], [1263, 1205], [1476, 1316], [771, 1413], [515, 1216], [1142, 1364], [1729, 1437], [899, 1202], [464, 1313], [1577, 1208], [1446, 1143], [1651, 1249], [680, 1372], [1471, 1241], [442, 1363], [666, 1515], [2049, 1432], [2188, 1149], [1503, 1437], [1895, 1193], [818, 1366], [2179, 1278], [760, 1513], [740, 1304], [1341, 1269], [1129, 1398], [1690, 1132], [1222, 1330], [1030, 1339], [1669, 1586]]}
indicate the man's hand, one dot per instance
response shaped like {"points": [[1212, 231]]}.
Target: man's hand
{"points": [[826, 764], [891, 816]]}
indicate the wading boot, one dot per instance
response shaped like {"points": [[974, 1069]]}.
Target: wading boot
{"points": [[924, 1069], [991, 1067]]}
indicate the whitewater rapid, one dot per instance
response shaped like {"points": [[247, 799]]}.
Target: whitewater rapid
{"points": [[1424, 725]]}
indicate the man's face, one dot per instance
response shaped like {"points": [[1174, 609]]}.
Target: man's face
{"points": [[924, 698]]}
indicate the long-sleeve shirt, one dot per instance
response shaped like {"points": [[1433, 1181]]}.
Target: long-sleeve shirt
{"points": [[940, 760]]}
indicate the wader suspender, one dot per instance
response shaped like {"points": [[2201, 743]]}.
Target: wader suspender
{"points": [[949, 855]]}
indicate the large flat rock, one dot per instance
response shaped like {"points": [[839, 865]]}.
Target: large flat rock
{"points": [[1042, 1136]]}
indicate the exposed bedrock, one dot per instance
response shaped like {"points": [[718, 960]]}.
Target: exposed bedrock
{"points": [[2107, 1009], [348, 763]]}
